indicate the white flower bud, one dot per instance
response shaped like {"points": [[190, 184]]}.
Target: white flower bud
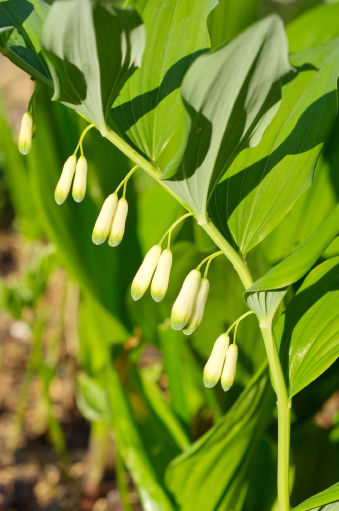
{"points": [[65, 181], [145, 273], [183, 305], [104, 220], [161, 277], [213, 368], [199, 307], [118, 225], [27, 130], [80, 180], [230, 367]]}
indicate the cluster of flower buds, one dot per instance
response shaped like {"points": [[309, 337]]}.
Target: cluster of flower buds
{"points": [[157, 263], [27, 132], [222, 363], [189, 307], [111, 221], [78, 170]]}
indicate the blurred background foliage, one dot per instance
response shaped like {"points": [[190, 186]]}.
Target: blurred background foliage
{"points": [[182, 445]]}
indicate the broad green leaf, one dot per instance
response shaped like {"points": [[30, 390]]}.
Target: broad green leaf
{"points": [[91, 48], [152, 493], [203, 479], [22, 46], [308, 331], [230, 17], [263, 183], [314, 27], [317, 501], [91, 398], [149, 110], [265, 295], [226, 112]]}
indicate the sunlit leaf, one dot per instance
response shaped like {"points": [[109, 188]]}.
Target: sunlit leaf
{"points": [[263, 183], [317, 502], [149, 109], [265, 295], [226, 112], [91, 48], [308, 331]]}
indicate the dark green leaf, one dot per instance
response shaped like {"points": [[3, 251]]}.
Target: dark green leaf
{"points": [[308, 331], [22, 46], [149, 109], [228, 111], [263, 183], [91, 48], [212, 481]]}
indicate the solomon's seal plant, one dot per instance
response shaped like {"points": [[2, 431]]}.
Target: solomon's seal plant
{"points": [[233, 134]]}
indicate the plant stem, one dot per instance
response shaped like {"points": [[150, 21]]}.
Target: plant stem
{"points": [[238, 263], [284, 407], [241, 268]]}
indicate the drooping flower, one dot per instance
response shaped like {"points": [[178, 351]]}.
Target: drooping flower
{"points": [[64, 184], [213, 368], [26, 134], [183, 306], [199, 307], [230, 367], [80, 180], [145, 273], [118, 225], [161, 277], [105, 218]]}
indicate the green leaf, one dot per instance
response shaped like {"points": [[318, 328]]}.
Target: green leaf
{"points": [[230, 17], [149, 110], [265, 295], [314, 27], [91, 399], [212, 481], [308, 331], [22, 46], [325, 497], [228, 111], [91, 48], [152, 493], [263, 183]]}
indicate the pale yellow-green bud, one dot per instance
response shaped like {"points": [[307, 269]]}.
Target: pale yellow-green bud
{"points": [[104, 220], [230, 367], [145, 273], [161, 277], [65, 181], [80, 180], [27, 131], [183, 305], [118, 225], [213, 368], [199, 307]]}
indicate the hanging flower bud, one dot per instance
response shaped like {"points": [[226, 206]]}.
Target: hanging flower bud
{"points": [[118, 225], [104, 220], [230, 367], [65, 181], [199, 307], [213, 368], [161, 277], [27, 132], [145, 273], [183, 306], [80, 180]]}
